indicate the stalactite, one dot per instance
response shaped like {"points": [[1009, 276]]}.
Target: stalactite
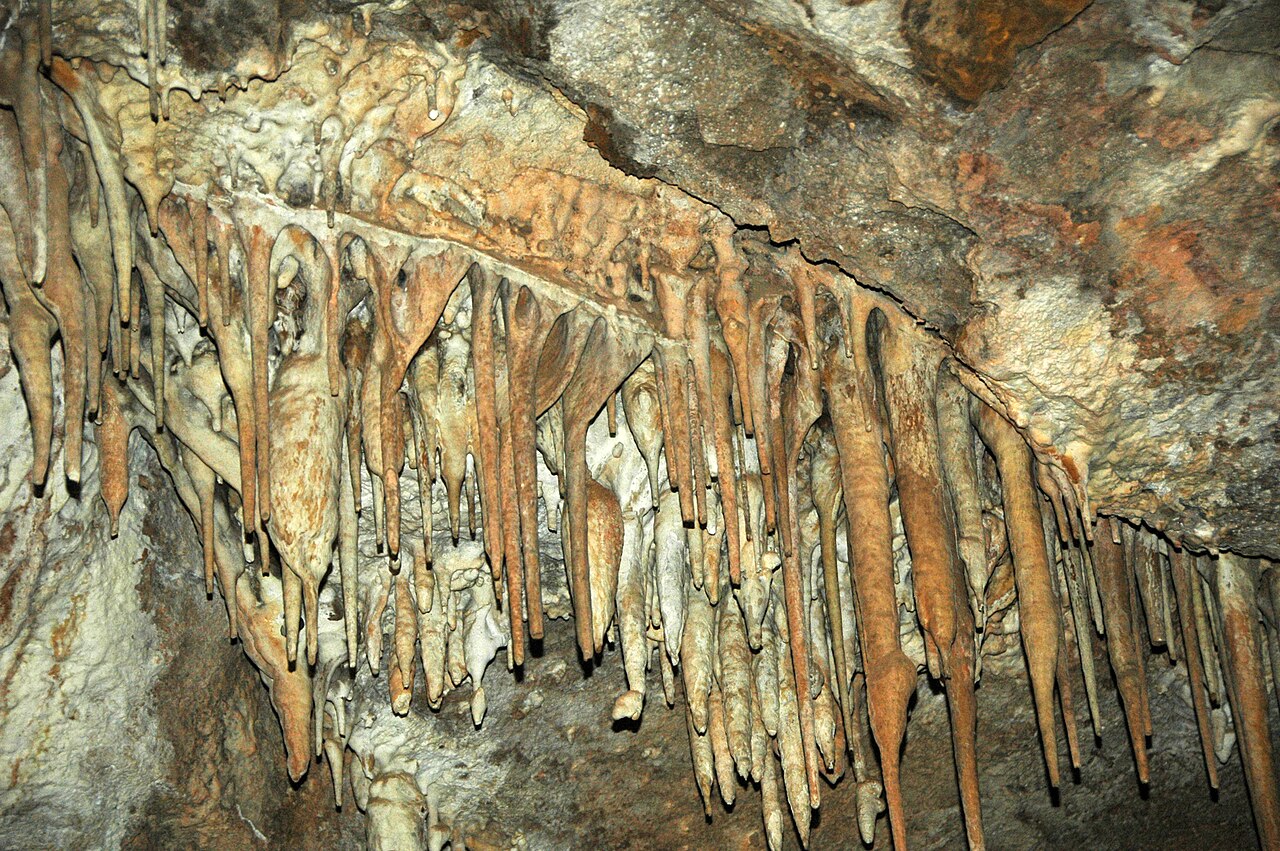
{"points": [[1145, 560], [753, 593], [106, 156], [153, 291], [507, 502], [307, 469], [733, 674], [113, 450], [1041, 625], [788, 435], [259, 304], [696, 652], [604, 543], [1270, 594], [32, 329], [791, 741], [91, 246], [1206, 633], [134, 330], [229, 332], [890, 675], [528, 324], [629, 602], [685, 366], [671, 568], [703, 763], [607, 360], [770, 803], [701, 474], [454, 418], [955, 435], [204, 483], [828, 500], [289, 686], [484, 291], [698, 560], [400, 671], [422, 384], [760, 316], [1073, 568], [1184, 573], [433, 628], [1113, 587], [640, 403], [910, 375], [733, 312], [20, 65], [348, 557], [1236, 591], [719, 738], [726, 476], [1067, 649], [15, 202], [147, 26], [670, 365], [406, 317], [199, 213], [1135, 619], [63, 294]]}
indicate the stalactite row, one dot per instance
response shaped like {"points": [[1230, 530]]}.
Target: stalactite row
{"points": [[726, 479]]}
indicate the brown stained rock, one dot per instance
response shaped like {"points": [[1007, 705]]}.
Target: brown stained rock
{"points": [[1147, 245], [969, 48]]}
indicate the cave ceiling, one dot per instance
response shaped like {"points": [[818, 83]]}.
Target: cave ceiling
{"points": [[1091, 222], [1086, 212]]}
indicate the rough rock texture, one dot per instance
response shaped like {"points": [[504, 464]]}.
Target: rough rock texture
{"points": [[80, 655], [1092, 221]]}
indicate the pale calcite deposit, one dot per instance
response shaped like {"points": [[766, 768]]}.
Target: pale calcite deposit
{"points": [[79, 655]]}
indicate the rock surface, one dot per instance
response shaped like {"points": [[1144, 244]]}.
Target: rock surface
{"points": [[80, 657], [1084, 204]]}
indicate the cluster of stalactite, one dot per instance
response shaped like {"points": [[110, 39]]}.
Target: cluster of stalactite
{"points": [[727, 481]]}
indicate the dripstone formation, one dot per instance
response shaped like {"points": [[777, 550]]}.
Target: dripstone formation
{"points": [[796, 354]]}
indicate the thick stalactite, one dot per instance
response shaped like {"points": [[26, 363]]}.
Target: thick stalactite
{"points": [[722, 432]]}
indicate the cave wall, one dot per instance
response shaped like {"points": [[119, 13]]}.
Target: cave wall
{"points": [[81, 743], [126, 722]]}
